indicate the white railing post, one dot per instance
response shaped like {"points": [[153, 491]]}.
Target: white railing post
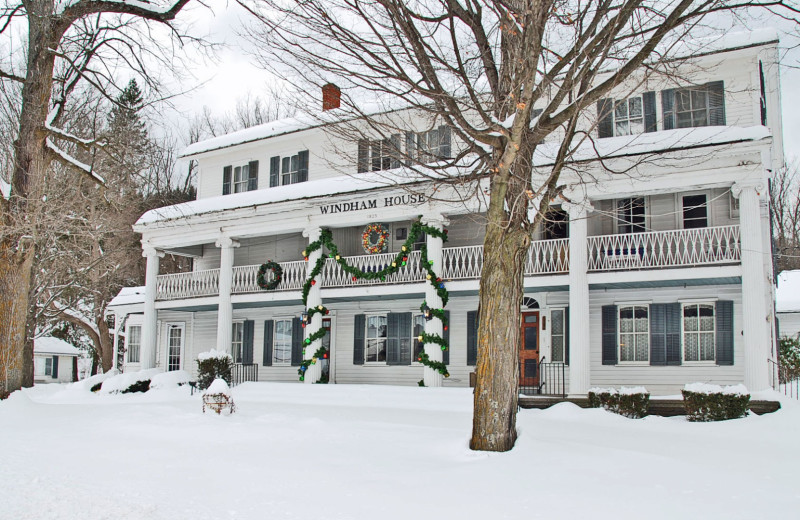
{"points": [[578, 298], [149, 325], [434, 326], [225, 313], [757, 338]]}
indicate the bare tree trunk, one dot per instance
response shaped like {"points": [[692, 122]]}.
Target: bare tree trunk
{"points": [[15, 271]]}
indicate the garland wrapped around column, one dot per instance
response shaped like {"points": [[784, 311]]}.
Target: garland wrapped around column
{"points": [[400, 260]]}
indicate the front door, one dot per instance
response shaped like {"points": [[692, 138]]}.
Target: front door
{"points": [[174, 346], [529, 350]]}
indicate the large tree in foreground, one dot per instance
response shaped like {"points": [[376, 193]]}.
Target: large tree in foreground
{"points": [[481, 67], [69, 43]]}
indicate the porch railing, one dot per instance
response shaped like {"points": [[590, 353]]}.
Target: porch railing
{"points": [[544, 257], [188, 285], [243, 372], [655, 249], [784, 380], [245, 278], [552, 380], [334, 276]]}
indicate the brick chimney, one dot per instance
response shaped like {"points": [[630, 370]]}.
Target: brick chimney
{"points": [[331, 96]]}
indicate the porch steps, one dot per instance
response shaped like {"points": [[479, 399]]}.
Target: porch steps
{"points": [[662, 407]]}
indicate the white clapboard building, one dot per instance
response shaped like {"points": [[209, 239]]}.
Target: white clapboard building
{"points": [[658, 276]]}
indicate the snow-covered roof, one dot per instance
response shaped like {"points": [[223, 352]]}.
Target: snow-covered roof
{"points": [[50, 345], [787, 295], [128, 296], [728, 42], [654, 142]]}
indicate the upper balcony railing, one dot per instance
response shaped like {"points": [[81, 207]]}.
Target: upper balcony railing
{"points": [[651, 250], [655, 249]]}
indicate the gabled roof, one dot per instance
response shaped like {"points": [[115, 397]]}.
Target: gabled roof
{"points": [[48, 345]]}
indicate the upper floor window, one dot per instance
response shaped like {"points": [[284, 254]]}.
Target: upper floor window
{"points": [[415, 147], [694, 106], [633, 115], [695, 211], [236, 179], [288, 170], [631, 215], [556, 224]]}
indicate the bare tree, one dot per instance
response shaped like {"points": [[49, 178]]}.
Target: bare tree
{"points": [[785, 206], [480, 67], [68, 44]]}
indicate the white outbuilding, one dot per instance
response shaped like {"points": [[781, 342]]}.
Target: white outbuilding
{"points": [[54, 360]]}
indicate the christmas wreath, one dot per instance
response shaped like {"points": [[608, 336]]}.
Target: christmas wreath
{"points": [[373, 240], [277, 275]]}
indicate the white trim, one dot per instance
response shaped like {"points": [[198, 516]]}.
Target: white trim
{"points": [[628, 303], [276, 319], [615, 210], [367, 315], [679, 207], [634, 333], [711, 299], [704, 362], [182, 351]]}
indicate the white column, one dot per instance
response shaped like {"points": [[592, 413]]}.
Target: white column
{"points": [[314, 372], [757, 338], [117, 324], [434, 326], [578, 299], [149, 326], [225, 314]]}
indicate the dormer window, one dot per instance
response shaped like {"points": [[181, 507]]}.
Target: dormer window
{"points": [[690, 107], [288, 170], [239, 178]]}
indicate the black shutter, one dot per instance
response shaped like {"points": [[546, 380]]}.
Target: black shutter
{"points": [[667, 108], [302, 157], [610, 334], [394, 151], [410, 148], [393, 339], [650, 117], [247, 342], [472, 338], [566, 335], [605, 118], [226, 180], [658, 334], [362, 164], [252, 179], [724, 332], [297, 342], [763, 97], [716, 103], [358, 339], [268, 331], [444, 142], [446, 336], [55, 367], [406, 326], [673, 333], [274, 171]]}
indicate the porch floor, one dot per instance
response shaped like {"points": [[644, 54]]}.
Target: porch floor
{"points": [[662, 407]]}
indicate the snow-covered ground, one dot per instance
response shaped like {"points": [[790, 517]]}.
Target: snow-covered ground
{"points": [[327, 452]]}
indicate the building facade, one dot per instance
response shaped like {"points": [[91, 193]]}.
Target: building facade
{"points": [[656, 273]]}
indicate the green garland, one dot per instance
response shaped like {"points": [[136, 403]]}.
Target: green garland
{"points": [[276, 269], [400, 260]]}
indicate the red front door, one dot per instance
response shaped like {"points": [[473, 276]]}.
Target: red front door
{"points": [[529, 350]]}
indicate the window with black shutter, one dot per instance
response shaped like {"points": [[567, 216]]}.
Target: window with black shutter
{"points": [[691, 107]]}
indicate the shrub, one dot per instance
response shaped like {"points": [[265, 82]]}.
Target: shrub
{"points": [[138, 386], [789, 360], [213, 365], [705, 403], [628, 402], [96, 388]]}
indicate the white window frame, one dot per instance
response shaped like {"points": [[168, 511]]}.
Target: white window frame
{"points": [[628, 103], [243, 171], [643, 362], [689, 91], [679, 206], [275, 361], [708, 362], [291, 174], [385, 316], [563, 335], [618, 222], [129, 343], [182, 326], [237, 324], [414, 336]]}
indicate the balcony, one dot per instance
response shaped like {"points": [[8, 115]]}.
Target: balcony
{"points": [[651, 250]]}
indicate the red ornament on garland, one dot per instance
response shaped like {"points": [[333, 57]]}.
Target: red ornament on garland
{"points": [[313, 282]]}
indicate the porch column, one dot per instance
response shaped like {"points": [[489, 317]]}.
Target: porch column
{"points": [[434, 326], [225, 314], [314, 372], [754, 282], [149, 325], [579, 334]]}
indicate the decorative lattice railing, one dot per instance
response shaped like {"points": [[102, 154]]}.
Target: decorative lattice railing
{"points": [[188, 285]]}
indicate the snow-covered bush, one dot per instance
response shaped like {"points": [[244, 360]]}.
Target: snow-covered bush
{"points": [[705, 402], [213, 365], [129, 382], [628, 402], [218, 397], [789, 360], [171, 379]]}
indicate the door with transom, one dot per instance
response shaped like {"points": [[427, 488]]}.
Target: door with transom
{"points": [[529, 349]]}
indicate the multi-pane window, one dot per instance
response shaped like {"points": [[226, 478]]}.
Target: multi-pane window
{"points": [[699, 327], [241, 178], [698, 107], [634, 333], [695, 211], [628, 116], [48, 366], [631, 215], [419, 328], [433, 145], [134, 343], [282, 343], [174, 346], [377, 328], [557, 330], [288, 170], [237, 341], [415, 147]]}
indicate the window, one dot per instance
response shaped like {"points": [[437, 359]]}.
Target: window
{"points": [[419, 328], [694, 106], [237, 341], [628, 116], [557, 330], [174, 346], [631, 215], [282, 346], [634, 334], [695, 211], [386, 154], [556, 224], [699, 329], [241, 178], [48, 366], [376, 339], [134, 341], [433, 145], [288, 170]]}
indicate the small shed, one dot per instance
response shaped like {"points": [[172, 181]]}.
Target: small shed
{"points": [[54, 361]]}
